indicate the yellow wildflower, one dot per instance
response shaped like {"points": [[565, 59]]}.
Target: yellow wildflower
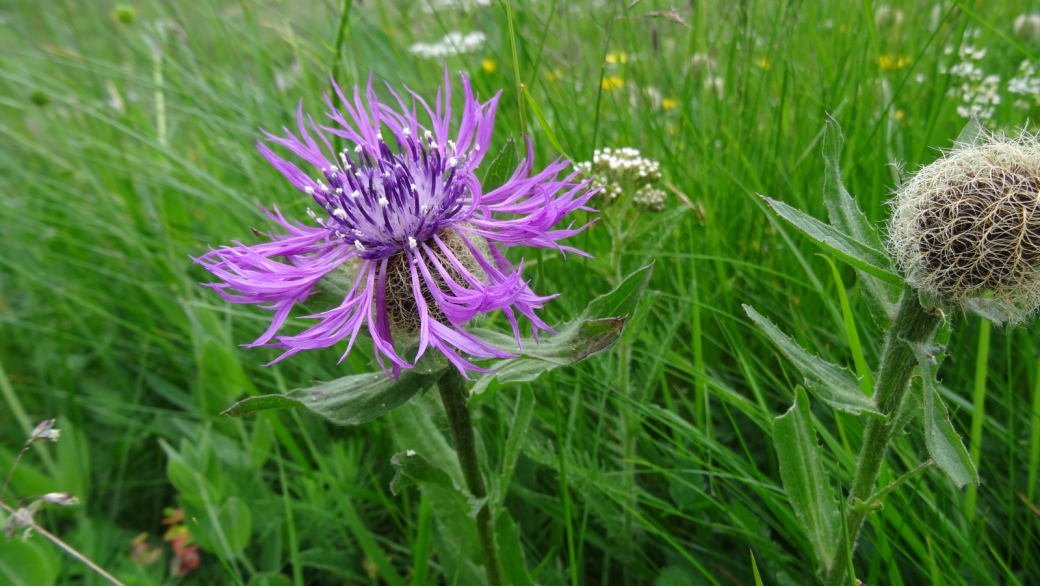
{"points": [[488, 65], [668, 103], [765, 63], [618, 57], [554, 75], [612, 82], [893, 62]]}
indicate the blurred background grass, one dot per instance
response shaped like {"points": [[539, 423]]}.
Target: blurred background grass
{"points": [[127, 145]]}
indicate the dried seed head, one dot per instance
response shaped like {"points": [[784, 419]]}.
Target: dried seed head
{"points": [[966, 228]]}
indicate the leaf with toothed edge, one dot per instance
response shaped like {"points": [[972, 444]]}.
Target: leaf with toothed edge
{"points": [[844, 213], [945, 445], [805, 480], [600, 325], [845, 247], [834, 385]]}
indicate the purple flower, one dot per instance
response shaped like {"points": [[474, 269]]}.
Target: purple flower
{"points": [[407, 228]]}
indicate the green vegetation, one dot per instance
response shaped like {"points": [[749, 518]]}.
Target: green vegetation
{"points": [[127, 138]]}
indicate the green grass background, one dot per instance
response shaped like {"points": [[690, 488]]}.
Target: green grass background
{"points": [[127, 147]]}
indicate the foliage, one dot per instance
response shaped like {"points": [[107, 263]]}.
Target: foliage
{"points": [[127, 146]]}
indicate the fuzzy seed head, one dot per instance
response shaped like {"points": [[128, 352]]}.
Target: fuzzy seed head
{"points": [[966, 228]]}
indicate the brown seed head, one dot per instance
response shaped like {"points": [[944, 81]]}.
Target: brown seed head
{"points": [[966, 228]]}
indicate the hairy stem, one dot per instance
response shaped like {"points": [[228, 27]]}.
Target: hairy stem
{"points": [[453, 394], [914, 324]]}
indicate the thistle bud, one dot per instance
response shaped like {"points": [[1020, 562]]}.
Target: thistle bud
{"points": [[966, 228]]}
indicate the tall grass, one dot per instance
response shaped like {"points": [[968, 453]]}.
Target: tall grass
{"points": [[126, 148]]}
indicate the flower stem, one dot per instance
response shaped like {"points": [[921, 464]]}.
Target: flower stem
{"points": [[453, 394], [914, 324]]}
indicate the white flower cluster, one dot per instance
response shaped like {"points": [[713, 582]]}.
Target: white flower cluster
{"points": [[649, 198], [977, 91], [620, 170], [453, 43], [1025, 84]]}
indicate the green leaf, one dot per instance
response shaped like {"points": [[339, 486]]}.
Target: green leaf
{"points": [[351, 400], [834, 385], [502, 168], [237, 523], [543, 123], [510, 551], [808, 488], [845, 214], [413, 469], [621, 302], [599, 326], [517, 432], [944, 443], [435, 470], [32, 563], [848, 249]]}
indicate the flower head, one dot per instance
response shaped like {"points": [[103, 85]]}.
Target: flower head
{"points": [[407, 227], [966, 228]]}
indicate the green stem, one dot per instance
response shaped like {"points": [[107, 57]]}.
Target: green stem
{"points": [[453, 394], [913, 325]]}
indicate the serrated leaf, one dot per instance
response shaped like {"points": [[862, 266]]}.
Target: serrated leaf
{"points": [[599, 326], [848, 249], [502, 168], [944, 443], [351, 400], [808, 488], [832, 384], [846, 215]]}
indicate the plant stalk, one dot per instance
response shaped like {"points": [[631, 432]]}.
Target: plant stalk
{"points": [[453, 394], [914, 324]]}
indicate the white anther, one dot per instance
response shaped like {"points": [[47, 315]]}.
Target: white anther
{"points": [[414, 188], [379, 136], [452, 162], [397, 165], [339, 213], [412, 243], [339, 191], [309, 190], [427, 134], [358, 148], [324, 170], [383, 201], [476, 146], [433, 144], [325, 188], [310, 213], [386, 173], [406, 132], [359, 246], [354, 194], [358, 232]]}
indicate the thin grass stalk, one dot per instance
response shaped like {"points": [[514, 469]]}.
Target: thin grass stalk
{"points": [[914, 324]]}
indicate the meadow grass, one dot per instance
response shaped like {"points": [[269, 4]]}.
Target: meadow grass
{"points": [[128, 147]]}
